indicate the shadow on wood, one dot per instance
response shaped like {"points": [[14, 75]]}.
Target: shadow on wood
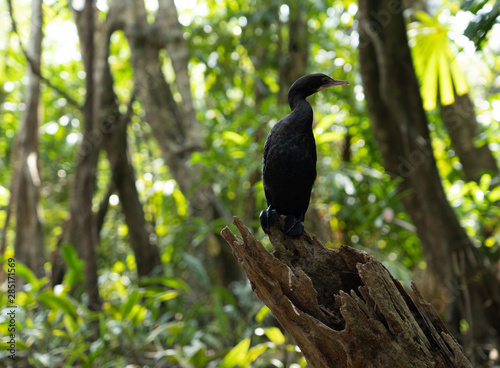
{"points": [[342, 307]]}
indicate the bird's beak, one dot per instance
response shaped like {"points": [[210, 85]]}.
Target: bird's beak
{"points": [[332, 83]]}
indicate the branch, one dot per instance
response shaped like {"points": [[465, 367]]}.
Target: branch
{"points": [[342, 307], [34, 67]]}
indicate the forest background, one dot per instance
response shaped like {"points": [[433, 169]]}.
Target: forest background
{"points": [[131, 131]]}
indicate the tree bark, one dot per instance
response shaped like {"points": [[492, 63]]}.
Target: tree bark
{"points": [[111, 130], [292, 63], [342, 307], [141, 234], [28, 244], [460, 121], [114, 126], [178, 52], [82, 230], [162, 112], [175, 128], [400, 128]]}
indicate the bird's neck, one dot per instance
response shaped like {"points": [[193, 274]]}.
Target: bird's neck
{"points": [[296, 95], [302, 111]]}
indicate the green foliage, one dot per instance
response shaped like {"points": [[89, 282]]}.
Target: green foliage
{"points": [[75, 265], [237, 355], [435, 62], [54, 329], [486, 17]]}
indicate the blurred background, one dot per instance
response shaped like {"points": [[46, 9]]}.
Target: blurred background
{"points": [[132, 131]]}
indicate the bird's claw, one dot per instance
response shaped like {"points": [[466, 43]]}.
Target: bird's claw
{"points": [[294, 226], [268, 217]]}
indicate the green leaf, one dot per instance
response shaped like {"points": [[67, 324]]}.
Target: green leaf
{"points": [[75, 265], [445, 85], [255, 352], [181, 202], [176, 328], [483, 22], [494, 194], [118, 267], [71, 257], [234, 137], [173, 328], [325, 123], [137, 314], [425, 18], [102, 324], [236, 355], [172, 282], [21, 345], [60, 333], [197, 157], [429, 83], [434, 61], [262, 313], [57, 302], [222, 319], [71, 325], [199, 359], [199, 270], [485, 181], [275, 335], [329, 137], [237, 154], [28, 275], [132, 300], [458, 78], [166, 295]]}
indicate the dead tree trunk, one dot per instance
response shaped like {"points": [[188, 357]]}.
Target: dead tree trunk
{"points": [[342, 307]]}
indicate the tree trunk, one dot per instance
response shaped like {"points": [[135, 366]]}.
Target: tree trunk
{"points": [[142, 235], [342, 307], [111, 129], [28, 244], [460, 121], [178, 52], [162, 112], [175, 128], [82, 230], [114, 127], [400, 128], [292, 63]]}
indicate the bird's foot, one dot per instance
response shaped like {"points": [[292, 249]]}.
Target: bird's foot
{"points": [[268, 217], [294, 226]]}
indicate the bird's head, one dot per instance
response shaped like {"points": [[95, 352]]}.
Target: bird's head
{"points": [[324, 81], [311, 83]]}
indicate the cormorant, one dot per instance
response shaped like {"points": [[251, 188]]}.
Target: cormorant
{"points": [[289, 161]]}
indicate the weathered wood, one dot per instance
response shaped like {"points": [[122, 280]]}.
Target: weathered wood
{"points": [[342, 307]]}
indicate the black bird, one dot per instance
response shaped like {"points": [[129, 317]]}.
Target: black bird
{"points": [[289, 162]]}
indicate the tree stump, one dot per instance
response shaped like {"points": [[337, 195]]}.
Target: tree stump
{"points": [[342, 307]]}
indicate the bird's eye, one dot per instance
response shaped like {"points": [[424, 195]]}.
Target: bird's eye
{"points": [[325, 80]]}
